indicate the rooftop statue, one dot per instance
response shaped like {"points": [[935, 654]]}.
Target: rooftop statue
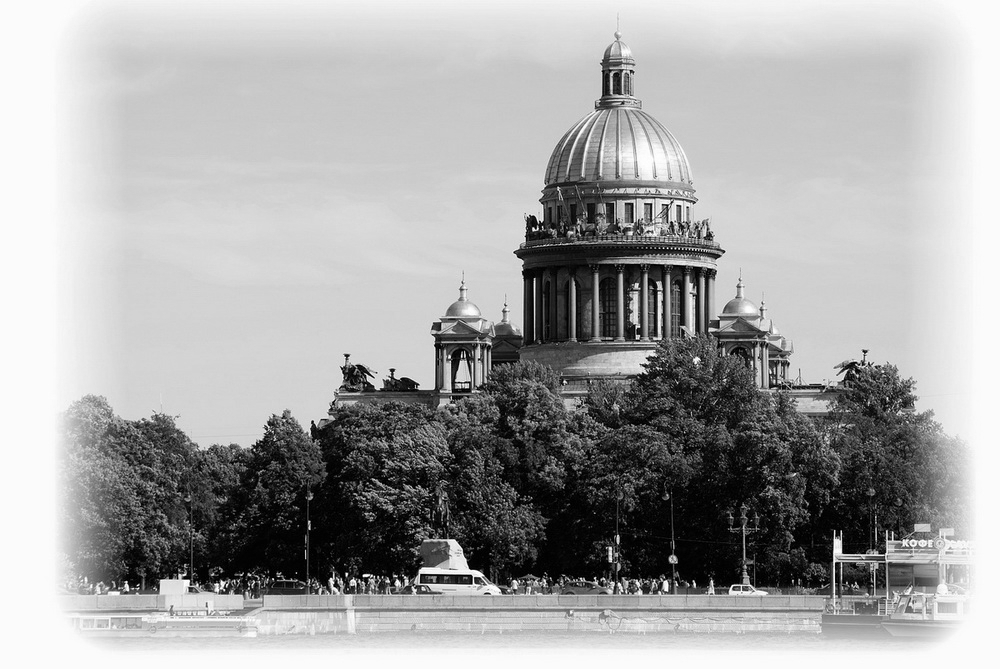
{"points": [[402, 384], [356, 376]]}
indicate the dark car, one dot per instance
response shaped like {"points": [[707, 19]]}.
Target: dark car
{"points": [[418, 589], [584, 588], [286, 587]]}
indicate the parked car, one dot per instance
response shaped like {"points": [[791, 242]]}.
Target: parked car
{"points": [[584, 588], [418, 589], [745, 589], [286, 587]]}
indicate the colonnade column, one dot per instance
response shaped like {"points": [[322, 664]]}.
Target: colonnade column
{"points": [[528, 308], [668, 288], [702, 315], [765, 363], [644, 304], [553, 334], [595, 333], [475, 366], [446, 369], [686, 296], [710, 296], [537, 290], [571, 306], [620, 331]]}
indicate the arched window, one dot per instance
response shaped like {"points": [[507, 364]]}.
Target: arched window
{"points": [[675, 309], [616, 83], [741, 352], [605, 83], [627, 87], [461, 371], [609, 310]]}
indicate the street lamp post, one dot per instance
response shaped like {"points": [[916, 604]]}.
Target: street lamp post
{"points": [[187, 499], [618, 499], [309, 497], [673, 548], [743, 530]]}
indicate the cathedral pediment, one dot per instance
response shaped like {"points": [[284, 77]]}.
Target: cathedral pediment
{"points": [[740, 326], [464, 328]]}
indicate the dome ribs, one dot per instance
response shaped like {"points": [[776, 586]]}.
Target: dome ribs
{"points": [[557, 156], [618, 144], [601, 147], [585, 128], [636, 127]]}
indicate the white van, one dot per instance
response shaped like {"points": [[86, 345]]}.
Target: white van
{"points": [[456, 581]]}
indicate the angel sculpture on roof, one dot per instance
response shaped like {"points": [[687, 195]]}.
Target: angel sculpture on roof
{"points": [[356, 376]]}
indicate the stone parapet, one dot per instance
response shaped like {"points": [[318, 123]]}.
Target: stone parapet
{"points": [[363, 614]]}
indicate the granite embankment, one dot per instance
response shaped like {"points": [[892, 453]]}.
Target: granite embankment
{"points": [[371, 614]]}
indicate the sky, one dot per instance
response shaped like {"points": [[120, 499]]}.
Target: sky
{"points": [[210, 203], [247, 191]]}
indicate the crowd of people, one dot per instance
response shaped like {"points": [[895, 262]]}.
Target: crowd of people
{"points": [[624, 586], [252, 586]]}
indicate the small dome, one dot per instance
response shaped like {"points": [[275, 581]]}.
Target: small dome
{"points": [[618, 50], [740, 306], [505, 327], [463, 308]]}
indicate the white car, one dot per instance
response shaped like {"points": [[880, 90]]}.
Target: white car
{"points": [[740, 589]]}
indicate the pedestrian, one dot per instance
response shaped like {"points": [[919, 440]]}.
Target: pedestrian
{"points": [[513, 585], [711, 586]]}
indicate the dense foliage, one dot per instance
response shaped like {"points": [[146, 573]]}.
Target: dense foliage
{"points": [[530, 485]]}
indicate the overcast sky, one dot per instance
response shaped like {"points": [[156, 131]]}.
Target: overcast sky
{"points": [[250, 190]]}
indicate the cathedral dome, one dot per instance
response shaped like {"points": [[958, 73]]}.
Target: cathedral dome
{"points": [[618, 142], [462, 307]]}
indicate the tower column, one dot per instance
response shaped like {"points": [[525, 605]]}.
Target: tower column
{"points": [[571, 306], [686, 296], [446, 367], [668, 289], [702, 316], [553, 334], [539, 324], [765, 377], [620, 307], [644, 304], [710, 297], [529, 308], [595, 316]]}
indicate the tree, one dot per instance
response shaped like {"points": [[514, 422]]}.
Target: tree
{"points": [[384, 462], [121, 514], [899, 466], [265, 518], [728, 444]]}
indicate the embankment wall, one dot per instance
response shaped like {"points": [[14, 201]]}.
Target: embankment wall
{"points": [[361, 614]]}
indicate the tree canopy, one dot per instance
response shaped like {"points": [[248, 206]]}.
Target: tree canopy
{"points": [[661, 461]]}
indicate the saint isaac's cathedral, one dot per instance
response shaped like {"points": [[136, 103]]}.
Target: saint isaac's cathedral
{"points": [[618, 261]]}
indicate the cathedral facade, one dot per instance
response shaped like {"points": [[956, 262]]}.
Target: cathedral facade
{"points": [[617, 262]]}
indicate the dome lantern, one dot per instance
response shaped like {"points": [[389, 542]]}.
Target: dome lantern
{"points": [[618, 76]]}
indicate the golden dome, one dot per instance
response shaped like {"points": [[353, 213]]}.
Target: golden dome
{"points": [[740, 306], [463, 308], [618, 142]]}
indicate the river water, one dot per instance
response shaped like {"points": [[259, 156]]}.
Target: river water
{"points": [[549, 649]]}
